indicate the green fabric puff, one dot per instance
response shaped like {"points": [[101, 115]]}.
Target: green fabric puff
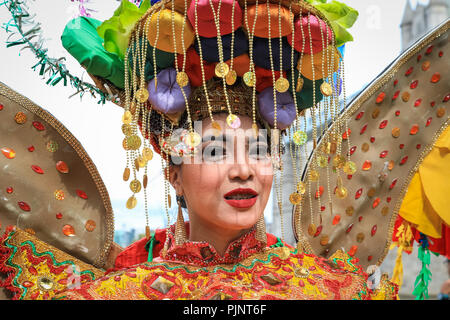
{"points": [[305, 96], [81, 40], [163, 60]]}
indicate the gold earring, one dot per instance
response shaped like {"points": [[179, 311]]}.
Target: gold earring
{"points": [[261, 234], [180, 229]]}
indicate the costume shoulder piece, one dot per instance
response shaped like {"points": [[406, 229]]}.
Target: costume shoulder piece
{"points": [[52, 200]]}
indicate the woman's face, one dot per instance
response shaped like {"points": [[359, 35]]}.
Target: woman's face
{"points": [[227, 186]]}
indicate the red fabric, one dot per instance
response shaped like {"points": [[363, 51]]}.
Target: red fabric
{"points": [[136, 253], [264, 78], [441, 246], [193, 68]]}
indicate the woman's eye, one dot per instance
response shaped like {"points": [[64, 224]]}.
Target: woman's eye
{"points": [[259, 151], [213, 153]]}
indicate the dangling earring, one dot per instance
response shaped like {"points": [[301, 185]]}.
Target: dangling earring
{"points": [[261, 234], [180, 228]]}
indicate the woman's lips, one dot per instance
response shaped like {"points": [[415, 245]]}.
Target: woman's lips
{"points": [[241, 203]]}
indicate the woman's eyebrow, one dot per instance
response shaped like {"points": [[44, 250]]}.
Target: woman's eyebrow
{"points": [[225, 138]]}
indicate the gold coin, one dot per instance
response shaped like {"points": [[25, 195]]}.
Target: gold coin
{"points": [[142, 95], [126, 174], [133, 142], [222, 70], [231, 77], [127, 129], [192, 139], [282, 84], [349, 211], [314, 175], [312, 229], [301, 188], [300, 83], [182, 79], [440, 112], [341, 192], [249, 79], [147, 153], [124, 144], [131, 203], [396, 132], [141, 161], [365, 147], [326, 89], [339, 161], [322, 161], [350, 167], [324, 240], [127, 117], [135, 186], [295, 198]]}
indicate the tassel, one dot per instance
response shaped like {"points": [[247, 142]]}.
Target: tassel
{"points": [[397, 276], [261, 234], [180, 228]]}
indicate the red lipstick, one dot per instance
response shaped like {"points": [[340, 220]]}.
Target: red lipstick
{"points": [[241, 198]]}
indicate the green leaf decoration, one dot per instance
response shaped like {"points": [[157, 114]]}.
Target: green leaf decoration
{"points": [[424, 277], [341, 17], [116, 31]]}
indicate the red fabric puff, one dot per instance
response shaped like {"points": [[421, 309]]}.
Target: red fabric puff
{"points": [[241, 64], [193, 68], [205, 23], [319, 30], [264, 78]]}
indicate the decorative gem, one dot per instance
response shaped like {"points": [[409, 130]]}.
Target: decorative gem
{"points": [[20, 118], [363, 129], [162, 285], [360, 218], [369, 258], [249, 78], [231, 77], [396, 94], [352, 251], [349, 228], [1, 107], [367, 165], [358, 194], [282, 84], [24, 206], [371, 192], [339, 161], [397, 113], [419, 57], [376, 202], [133, 142], [9, 190], [312, 229], [90, 225], [388, 199], [341, 192], [360, 237], [131, 202], [182, 79], [38, 126], [8, 153], [233, 121], [52, 146], [405, 96], [301, 188], [383, 124], [352, 150], [395, 82], [403, 161], [376, 113], [313, 175], [429, 50], [135, 186], [409, 71], [59, 195], [336, 219], [346, 134], [45, 283], [383, 154], [446, 98], [414, 84], [68, 230], [37, 169], [82, 194], [418, 146], [324, 240], [365, 147], [322, 161], [440, 112], [359, 115], [142, 95], [300, 138], [142, 162], [295, 198], [441, 53], [428, 121], [326, 89], [394, 182], [401, 146], [432, 104], [436, 77], [349, 211], [414, 129], [396, 132], [385, 211], [426, 65], [380, 97], [59, 216], [374, 230], [319, 192], [418, 103], [31, 148]]}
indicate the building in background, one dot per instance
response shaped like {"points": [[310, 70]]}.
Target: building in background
{"points": [[417, 22]]}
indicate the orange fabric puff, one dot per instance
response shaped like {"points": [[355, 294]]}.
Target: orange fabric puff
{"points": [[162, 37], [205, 16], [264, 78], [193, 68], [241, 64], [320, 31], [262, 20], [331, 54]]}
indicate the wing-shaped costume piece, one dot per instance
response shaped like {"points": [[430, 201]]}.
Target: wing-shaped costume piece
{"points": [[392, 126], [51, 191]]}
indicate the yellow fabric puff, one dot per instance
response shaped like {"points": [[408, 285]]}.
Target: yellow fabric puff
{"points": [[327, 56], [262, 20], [161, 36], [427, 200]]}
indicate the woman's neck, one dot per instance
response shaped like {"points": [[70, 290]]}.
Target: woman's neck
{"points": [[216, 236]]}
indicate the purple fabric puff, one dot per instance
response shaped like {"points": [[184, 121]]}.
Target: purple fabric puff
{"points": [[167, 98], [286, 112]]}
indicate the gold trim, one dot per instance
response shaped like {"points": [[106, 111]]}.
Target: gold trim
{"points": [[350, 111], [101, 258]]}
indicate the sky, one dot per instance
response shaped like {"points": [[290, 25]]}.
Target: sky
{"points": [[97, 127]]}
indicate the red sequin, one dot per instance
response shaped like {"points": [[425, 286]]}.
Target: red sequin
{"points": [[347, 134], [383, 124], [1, 107], [446, 98], [394, 182], [429, 50], [24, 206], [352, 150], [318, 231], [436, 77], [372, 139], [432, 104], [428, 121], [363, 129], [419, 57], [381, 97], [396, 94], [414, 130], [397, 113], [82, 194], [418, 103], [376, 202], [409, 71], [414, 84], [37, 169], [441, 53], [360, 115], [395, 82], [9, 190], [336, 219], [349, 228], [403, 161], [418, 146], [374, 230], [39, 126], [401, 146], [352, 251], [360, 218], [358, 194], [59, 216], [31, 148], [383, 154]]}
